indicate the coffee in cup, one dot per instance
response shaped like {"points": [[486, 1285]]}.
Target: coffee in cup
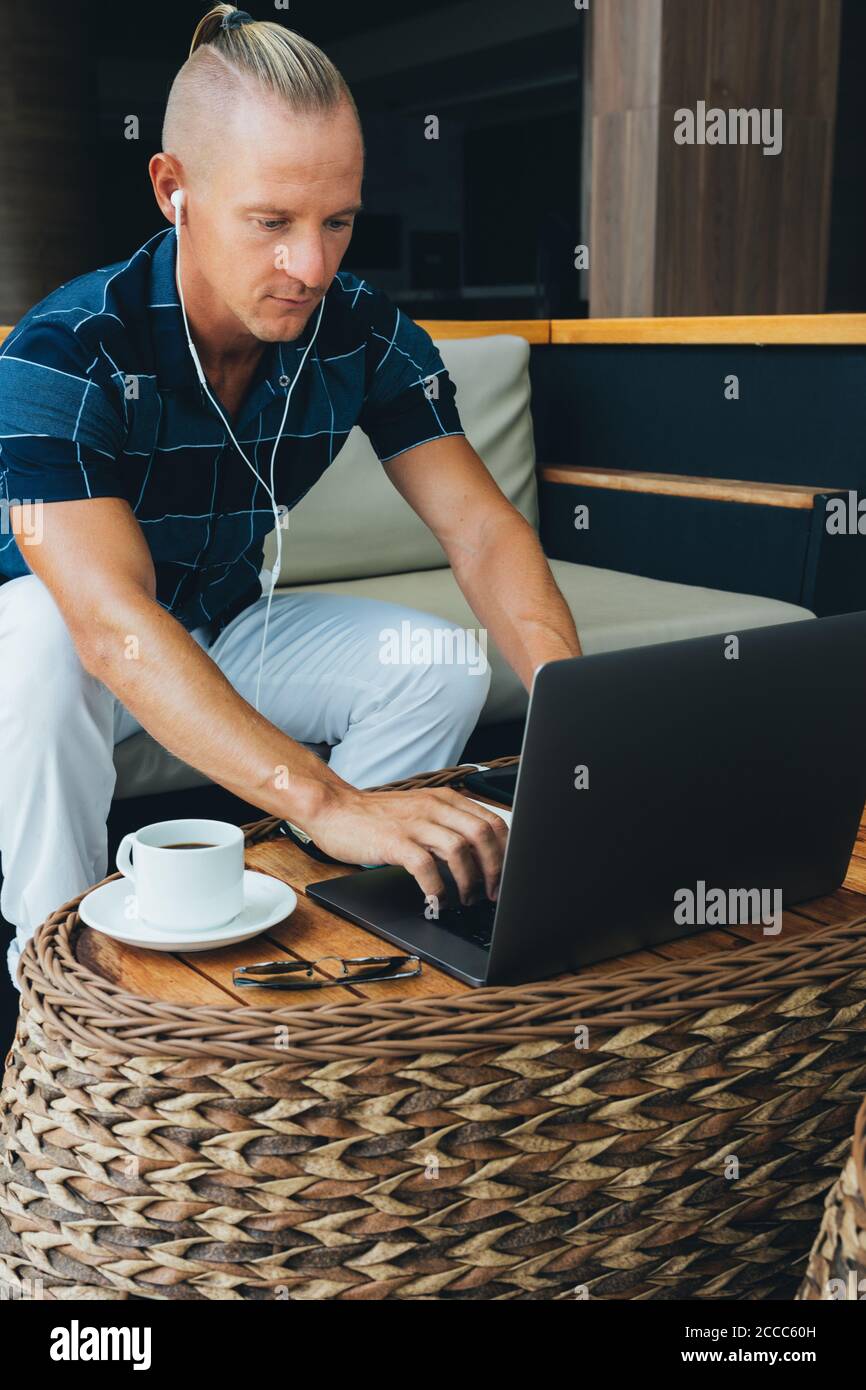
{"points": [[191, 844]]}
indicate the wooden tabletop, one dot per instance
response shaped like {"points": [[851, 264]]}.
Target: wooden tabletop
{"points": [[205, 977]]}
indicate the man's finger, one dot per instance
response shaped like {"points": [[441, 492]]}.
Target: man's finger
{"points": [[485, 832]]}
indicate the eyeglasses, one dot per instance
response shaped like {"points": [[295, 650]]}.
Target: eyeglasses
{"points": [[367, 968]]}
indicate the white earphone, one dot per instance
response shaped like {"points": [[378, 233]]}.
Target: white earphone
{"points": [[177, 199]]}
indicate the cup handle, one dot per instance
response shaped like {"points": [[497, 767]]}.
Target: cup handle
{"points": [[124, 857]]}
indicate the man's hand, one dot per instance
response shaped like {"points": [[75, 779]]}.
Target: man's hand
{"points": [[414, 829]]}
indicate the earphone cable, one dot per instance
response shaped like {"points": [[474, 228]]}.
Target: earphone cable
{"points": [[269, 490]]}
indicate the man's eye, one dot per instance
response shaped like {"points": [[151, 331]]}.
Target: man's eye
{"points": [[273, 224]]}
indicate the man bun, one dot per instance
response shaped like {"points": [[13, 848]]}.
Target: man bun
{"points": [[219, 25]]}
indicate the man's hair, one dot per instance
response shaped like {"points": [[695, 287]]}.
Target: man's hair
{"points": [[225, 64]]}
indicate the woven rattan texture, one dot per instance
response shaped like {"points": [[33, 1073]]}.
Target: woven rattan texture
{"points": [[474, 1146], [837, 1264]]}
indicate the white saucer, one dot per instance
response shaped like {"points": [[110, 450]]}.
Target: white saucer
{"points": [[267, 901]]}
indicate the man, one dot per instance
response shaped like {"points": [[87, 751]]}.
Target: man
{"points": [[139, 602]]}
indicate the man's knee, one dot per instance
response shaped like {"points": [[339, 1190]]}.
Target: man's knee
{"points": [[40, 669]]}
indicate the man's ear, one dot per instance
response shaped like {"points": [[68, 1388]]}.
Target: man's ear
{"points": [[166, 177]]}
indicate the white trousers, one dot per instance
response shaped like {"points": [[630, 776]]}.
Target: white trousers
{"points": [[324, 680]]}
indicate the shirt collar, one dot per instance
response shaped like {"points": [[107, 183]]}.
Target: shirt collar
{"points": [[174, 365]]}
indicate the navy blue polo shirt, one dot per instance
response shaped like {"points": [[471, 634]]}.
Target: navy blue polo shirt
{"points": [[99, 398]]}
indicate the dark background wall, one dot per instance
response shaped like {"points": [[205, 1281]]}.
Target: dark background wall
{"points": [[459, 227], [481, 223]]}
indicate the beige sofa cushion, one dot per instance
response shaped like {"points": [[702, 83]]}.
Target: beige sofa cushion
{"points": [[611, 610], [353, 523]]}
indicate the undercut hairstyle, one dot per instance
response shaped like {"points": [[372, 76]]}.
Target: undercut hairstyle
{"points": [[231, 60]]}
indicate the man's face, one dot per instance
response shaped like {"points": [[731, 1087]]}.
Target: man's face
{"points": [[271, 224]]}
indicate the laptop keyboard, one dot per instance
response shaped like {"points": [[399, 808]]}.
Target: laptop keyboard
{"points": [[474, 923]]}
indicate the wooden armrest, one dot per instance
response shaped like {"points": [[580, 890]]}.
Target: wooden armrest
{"points": [[533, 330], [749, 329], [680, 485]]}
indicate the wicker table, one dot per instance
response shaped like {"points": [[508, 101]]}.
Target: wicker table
{"points": [[837, 1264], [165, 1136]]}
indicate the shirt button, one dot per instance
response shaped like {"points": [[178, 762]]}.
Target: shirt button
{"points": [[284, 381]]}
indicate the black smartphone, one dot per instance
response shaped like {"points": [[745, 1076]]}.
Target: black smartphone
{"points": [[497, 783]]}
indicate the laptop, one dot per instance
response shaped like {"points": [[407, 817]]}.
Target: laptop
{"points": [[663, 790]]}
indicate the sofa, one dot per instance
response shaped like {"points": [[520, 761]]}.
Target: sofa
{"points": [[354, 534]]}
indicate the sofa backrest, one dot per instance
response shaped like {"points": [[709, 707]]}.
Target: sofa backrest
{"points": [[353, 523], [769, 412]]}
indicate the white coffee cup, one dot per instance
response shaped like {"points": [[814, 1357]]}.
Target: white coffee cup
{"points": [[201, 887]]}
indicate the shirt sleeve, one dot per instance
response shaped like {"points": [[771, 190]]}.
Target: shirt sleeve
{"points": [[410, 397], [61, 420]]}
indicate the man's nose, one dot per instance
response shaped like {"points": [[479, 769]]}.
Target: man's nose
{"points": [[302, 258]]}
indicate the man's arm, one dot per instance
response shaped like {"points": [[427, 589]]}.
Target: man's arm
{"points": [[93, 558], [495, 554], [150, 662]]}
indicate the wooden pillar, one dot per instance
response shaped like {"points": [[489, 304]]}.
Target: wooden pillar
{"points": [[708, 227], [46, 185]]}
